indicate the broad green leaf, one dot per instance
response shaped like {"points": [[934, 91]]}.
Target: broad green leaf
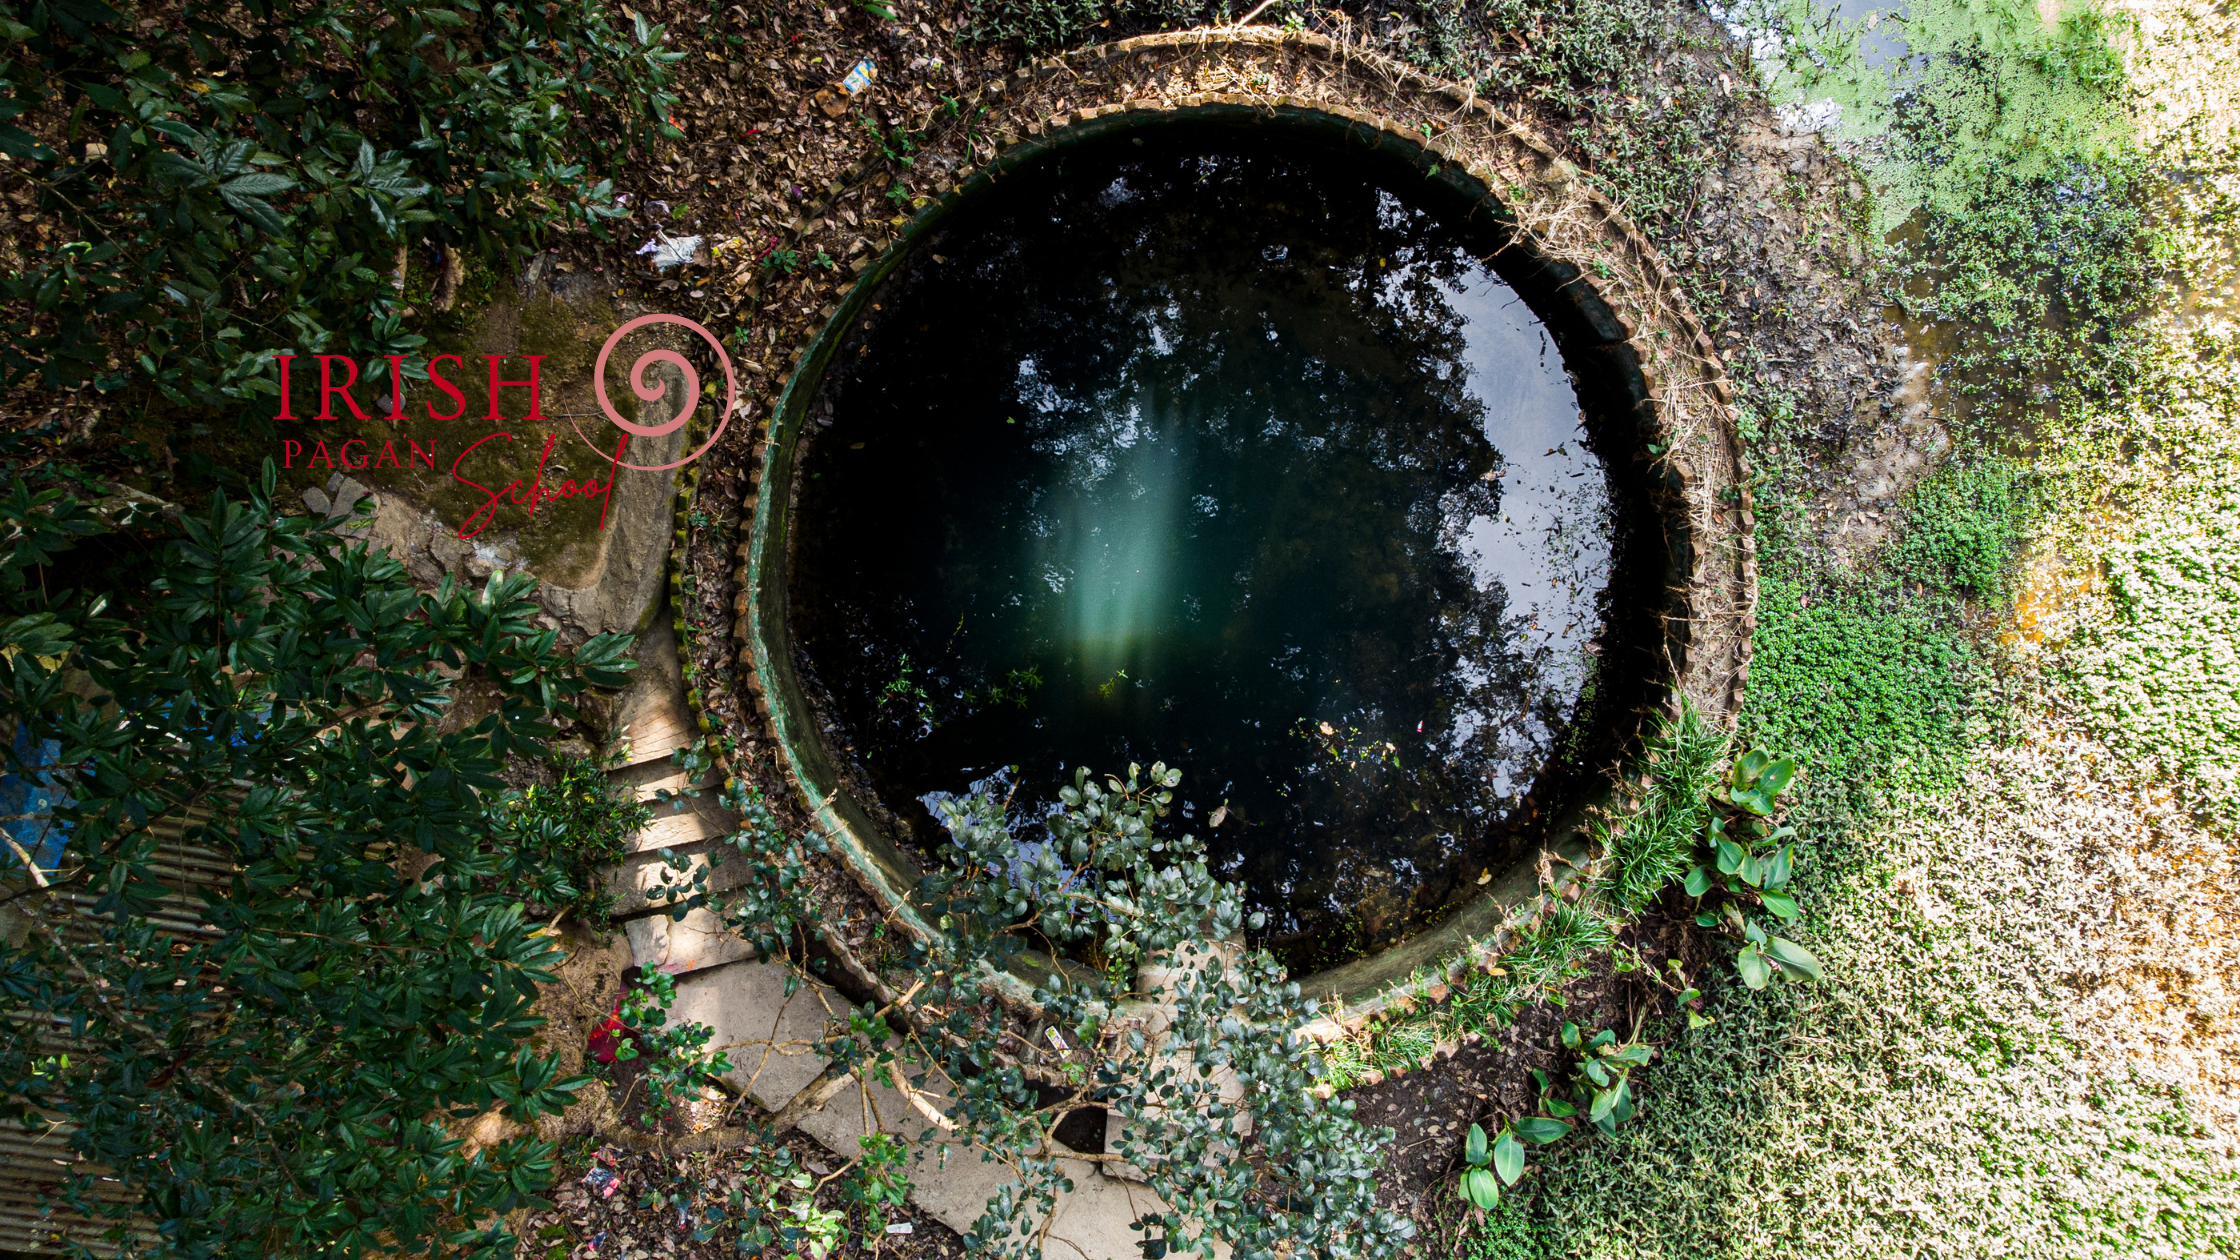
{"points": [[257, 210], [1779, 903], [1795, 960], [260, 183], [1540, 1131], [1474, 1147], [1776, 778], [1779, 865], [1699, 880], [1604, 1100], [1508, 1158], [1749, 766], [1479, 1187], [1730, 856], [1753, 967]]}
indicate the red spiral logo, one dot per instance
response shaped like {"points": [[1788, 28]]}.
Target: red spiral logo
{"points": [[647, 391]]}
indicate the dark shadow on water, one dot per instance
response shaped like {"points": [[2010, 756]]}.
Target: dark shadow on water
{"points": [[1229, 451]]}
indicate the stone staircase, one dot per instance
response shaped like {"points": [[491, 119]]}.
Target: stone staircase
{"points": [[769, 1036]]}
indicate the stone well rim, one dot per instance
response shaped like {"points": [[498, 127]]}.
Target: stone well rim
{"points": [[1706, 516]]}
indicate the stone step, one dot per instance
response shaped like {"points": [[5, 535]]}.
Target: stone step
{"points": [[769, 1037], [633, 880], [652, 714], [680, 947], [951, 1181], [700, 819], [645, 778]]}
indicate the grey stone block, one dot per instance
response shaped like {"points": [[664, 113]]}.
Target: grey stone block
{"points": [[768, 1036], [680, 947]]}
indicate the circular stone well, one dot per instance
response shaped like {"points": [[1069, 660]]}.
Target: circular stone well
{"points": [[1270, 443], [1227, 448]]}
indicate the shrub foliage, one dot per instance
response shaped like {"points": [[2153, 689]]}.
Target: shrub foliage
{"points": [[232, 183], [268, 1060]]}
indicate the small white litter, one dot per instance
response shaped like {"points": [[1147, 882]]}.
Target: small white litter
{"points": [[670, 251], [859, 77]]}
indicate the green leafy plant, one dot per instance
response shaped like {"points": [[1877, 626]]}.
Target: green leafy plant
{"points": [[878, 1183], [819, 1231], [676, 1062], [278, 1082], [1604, 1077], [578, 825], [903, 694], [894, 143], [783, 261], [1016, 687], [1500, 1161], [252, 183], [1751, 861]]}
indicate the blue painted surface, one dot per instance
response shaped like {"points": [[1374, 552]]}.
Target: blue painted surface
{"points": [[38, 794]]}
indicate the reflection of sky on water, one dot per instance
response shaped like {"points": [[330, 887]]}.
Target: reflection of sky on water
{"points": [[1550, 543], [1878, 28], [1547, 547]]}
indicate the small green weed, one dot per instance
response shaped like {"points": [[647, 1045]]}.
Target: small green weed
{"points": [[1749, 867], [1964, 526], [893, 143], [903, 695], [1862, 689], [580, 824]]}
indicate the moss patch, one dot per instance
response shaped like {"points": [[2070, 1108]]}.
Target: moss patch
{"points": [[432, 461]]}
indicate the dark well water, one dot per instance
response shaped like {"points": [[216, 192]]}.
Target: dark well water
{"points": [[1218, 450]]}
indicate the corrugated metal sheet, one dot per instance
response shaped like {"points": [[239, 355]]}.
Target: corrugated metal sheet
{"points": [[33, 1162], [33, 1165]]}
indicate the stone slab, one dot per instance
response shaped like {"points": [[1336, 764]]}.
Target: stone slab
{"points": [[952, 1183], [671, 828], [632, 881], [948, 1178], [652, 714], [766, 1034], [680, 947], [1092, 1223]]}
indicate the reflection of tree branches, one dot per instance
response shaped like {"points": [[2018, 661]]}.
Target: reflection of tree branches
{"points": [[1329, 400]]}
